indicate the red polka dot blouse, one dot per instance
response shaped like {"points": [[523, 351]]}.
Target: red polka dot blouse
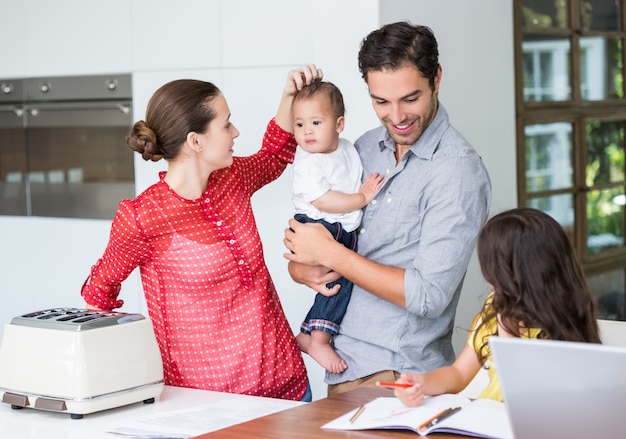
{"points": [[216, 314]]}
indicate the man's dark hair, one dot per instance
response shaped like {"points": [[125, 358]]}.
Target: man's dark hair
{"points": [[397, 45]]}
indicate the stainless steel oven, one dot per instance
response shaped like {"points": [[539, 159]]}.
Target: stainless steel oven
{"points": [[62, 148]]}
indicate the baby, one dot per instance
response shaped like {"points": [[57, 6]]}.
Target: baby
{"points": [[326, 186]]}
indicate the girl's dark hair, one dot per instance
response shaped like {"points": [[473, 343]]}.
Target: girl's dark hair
{"points": [[399, 44], [526, 256], [176, 109], [324, 88]]}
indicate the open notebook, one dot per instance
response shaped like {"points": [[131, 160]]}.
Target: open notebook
{"points": [[558, 389], [481, 418]]}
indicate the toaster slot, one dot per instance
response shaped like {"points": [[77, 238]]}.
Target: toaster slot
{"points": [[71, 317], [49, 316], [39, 314], [85, 319]]}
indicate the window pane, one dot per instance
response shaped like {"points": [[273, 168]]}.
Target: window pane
{"points": [[601, 68], [605, 219], [538, 14], [599, 15], [559, 207], [608, 291], [605, 152], [548, 156], [546, 68]]}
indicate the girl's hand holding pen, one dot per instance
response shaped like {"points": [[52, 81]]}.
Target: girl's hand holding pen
{"points": [[409, 389]]}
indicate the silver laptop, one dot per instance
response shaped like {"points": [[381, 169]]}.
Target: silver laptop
{"points": [[556, 389]]}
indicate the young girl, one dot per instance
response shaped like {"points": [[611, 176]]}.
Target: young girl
{"points": [[539, 291]]}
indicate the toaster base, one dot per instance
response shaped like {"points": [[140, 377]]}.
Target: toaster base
{"points": [[77, 407]]}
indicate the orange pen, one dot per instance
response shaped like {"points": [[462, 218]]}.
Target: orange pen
{"points": [[391, 385]]}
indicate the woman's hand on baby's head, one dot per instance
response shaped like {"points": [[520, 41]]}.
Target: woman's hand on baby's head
{"points": [[304, 75]]}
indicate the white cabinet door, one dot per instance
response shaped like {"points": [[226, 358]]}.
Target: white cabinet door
{"points": [[12, 37], [76, 37], [182, 34]]}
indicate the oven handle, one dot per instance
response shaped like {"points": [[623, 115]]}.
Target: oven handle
{"points": [[17, 110], [78, 114], [123, 106]]}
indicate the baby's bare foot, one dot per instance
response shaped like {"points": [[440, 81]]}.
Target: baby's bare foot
{"points": [[325, 355]]}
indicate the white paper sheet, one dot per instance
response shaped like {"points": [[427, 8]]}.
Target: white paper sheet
{"points": [[186, 423]]}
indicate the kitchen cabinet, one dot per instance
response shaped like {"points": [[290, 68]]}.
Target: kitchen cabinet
{"points": [[185, 34], [86, 38], [276, 37], [11, 29]]}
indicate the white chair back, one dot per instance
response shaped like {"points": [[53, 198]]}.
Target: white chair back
{"points": [[612, 332]]}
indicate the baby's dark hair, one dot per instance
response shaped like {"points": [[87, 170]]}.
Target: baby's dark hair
{"points": [[324, 88], [537, 280]]}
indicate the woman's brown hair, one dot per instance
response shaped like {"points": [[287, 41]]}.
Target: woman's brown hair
{"points": [[176, 109]]}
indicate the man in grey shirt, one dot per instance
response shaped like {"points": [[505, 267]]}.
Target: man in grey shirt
{"points": [[417, 235]]}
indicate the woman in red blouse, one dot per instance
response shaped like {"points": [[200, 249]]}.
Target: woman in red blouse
{"points": [[216, 314]]}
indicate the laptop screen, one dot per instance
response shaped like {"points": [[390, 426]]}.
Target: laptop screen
{"points": [[558, 389]]}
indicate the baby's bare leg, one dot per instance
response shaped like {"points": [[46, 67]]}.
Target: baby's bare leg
{"points": [[303, 340]]}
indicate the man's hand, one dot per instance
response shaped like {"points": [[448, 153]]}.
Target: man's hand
{"points": [[315, 277]]}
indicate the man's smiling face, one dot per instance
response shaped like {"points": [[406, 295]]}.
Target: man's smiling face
{"points": [[403, 101]]}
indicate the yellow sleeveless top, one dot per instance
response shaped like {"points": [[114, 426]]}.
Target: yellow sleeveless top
{"points": [[492, 391]]}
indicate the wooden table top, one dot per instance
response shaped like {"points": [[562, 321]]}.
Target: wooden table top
{"points": [[304, 422]]}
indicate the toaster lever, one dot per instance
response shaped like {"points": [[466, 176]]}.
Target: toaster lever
{"points": [[56, 405], [16, 401]]}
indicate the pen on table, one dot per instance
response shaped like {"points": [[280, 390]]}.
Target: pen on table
{"points": [[439, 417], [357, 414], [391, 385]]}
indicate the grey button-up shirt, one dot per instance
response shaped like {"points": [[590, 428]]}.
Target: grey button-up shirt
{"points": [[425, 219]]}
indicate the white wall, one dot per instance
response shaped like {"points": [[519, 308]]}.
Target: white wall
{"points": [[246, 48]]}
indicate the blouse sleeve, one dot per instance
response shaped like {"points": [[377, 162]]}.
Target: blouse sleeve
{"points": [[277, 151], [127, 249]]}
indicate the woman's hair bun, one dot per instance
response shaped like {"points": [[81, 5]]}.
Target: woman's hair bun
{"points": [[142, 139]]}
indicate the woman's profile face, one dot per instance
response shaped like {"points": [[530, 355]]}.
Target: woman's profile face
{"points": [[218, 140]]}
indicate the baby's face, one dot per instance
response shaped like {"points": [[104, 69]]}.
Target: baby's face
{"points": [[316, 128]]}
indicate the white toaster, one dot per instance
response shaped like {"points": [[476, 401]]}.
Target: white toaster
{"points": [[78, 361]]}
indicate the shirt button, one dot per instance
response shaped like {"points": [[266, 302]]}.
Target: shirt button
{"points": [[388, 171], [206, 200], [374, 201], [231, 242], [240, 261], [362, 230], [389, 200], [219, 224]]}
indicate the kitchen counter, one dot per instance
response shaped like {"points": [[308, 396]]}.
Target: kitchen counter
{"points": [[180, 402]]}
